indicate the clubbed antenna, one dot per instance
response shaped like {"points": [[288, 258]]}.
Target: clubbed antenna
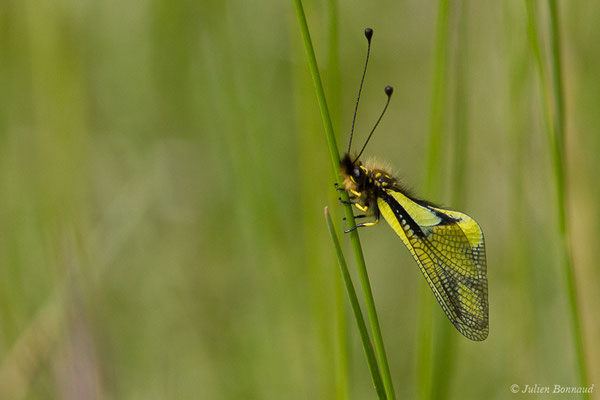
{"points": [[368, 35], [388, 91]]}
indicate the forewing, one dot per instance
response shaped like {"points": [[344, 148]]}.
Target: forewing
{"points": [[450, 250]]}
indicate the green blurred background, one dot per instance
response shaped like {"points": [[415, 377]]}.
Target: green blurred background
{"points": [[163, 173]]}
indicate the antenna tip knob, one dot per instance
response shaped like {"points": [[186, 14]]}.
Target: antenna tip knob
{"points": [[389, 90], [369, 34]]}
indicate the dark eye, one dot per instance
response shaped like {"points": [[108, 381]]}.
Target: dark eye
{"points": [[356, 172]]}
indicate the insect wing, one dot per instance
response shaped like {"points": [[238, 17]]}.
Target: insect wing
{"points": [[450, 250]]}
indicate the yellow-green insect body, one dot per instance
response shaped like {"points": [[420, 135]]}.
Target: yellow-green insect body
{"points": [[447, 245]]}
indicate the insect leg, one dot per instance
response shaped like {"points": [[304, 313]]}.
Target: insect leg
{"points": [[361, 208], [351, 197], [364, 225], [360, 216]]}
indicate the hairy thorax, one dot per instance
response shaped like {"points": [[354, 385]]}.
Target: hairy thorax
{"points": [[364, 182]]}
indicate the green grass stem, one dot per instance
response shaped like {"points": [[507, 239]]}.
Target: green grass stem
{"points": [[432, 184], [341, 343], [438, 96], [358, 316], [461, 107], [525, 337], [335, 160], [554, 117], [558, 144], [445, 335]]}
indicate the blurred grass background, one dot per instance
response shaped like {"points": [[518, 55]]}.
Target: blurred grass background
{"points": [[163, 172]]}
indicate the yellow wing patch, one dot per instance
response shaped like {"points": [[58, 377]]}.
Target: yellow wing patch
{"points": [[419, 214], [450, 251], [468, 225]]}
